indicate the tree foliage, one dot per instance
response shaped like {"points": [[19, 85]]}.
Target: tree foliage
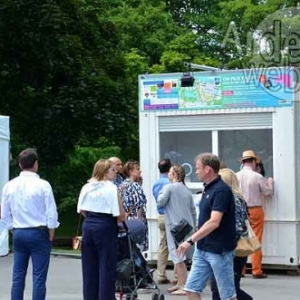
{"points": [[62, 75], [69, 68], [261, 33]]}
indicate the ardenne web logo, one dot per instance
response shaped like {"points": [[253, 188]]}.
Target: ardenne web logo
{"points": [[273, 49]]}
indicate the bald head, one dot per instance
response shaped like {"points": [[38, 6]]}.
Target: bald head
{"points": [[117, 162]]}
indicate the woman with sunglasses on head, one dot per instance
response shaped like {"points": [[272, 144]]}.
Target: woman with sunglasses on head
{"points": [[133, 197], [178, 203]]}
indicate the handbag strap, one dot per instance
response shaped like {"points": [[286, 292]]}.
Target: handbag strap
{"points": [[249, 229], [78, 225]]}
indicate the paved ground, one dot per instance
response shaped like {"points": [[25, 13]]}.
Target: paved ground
{"points": [[64, 283]]}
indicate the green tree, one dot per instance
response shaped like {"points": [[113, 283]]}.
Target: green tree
{"points": [[201, 18], [261, 33], [62, 75]]}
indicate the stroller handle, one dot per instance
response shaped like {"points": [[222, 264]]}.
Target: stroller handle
{"points": [[125, 226]]}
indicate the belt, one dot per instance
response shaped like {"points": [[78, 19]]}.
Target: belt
{"points": [[38, 227], [255, 206], [98, 215]]}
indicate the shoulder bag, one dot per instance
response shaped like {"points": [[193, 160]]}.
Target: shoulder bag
{"points": [[247, 244], [181, 230], [76, 240]]}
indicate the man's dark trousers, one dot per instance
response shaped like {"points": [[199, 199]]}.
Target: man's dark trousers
{"points": [[31, 243]]}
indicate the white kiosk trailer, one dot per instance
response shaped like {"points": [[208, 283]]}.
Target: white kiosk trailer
{"points": [[4, 151], [227, 112], [4, 173]]}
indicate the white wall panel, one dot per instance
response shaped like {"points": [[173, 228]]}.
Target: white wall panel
{"points": [[281, 234], [4, 151], [215, 122]]}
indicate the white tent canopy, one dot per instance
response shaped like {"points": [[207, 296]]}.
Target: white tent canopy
{"points": [[4, 151]]}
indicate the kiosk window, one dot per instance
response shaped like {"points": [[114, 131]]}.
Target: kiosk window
{"points": [[232, 143], [183, 147]]}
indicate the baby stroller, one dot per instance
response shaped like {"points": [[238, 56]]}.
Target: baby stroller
{"points": [[133, 272]]}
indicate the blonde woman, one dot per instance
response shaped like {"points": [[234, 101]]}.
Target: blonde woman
{"points": [[102, 207], [178, 203], [241, 214]]}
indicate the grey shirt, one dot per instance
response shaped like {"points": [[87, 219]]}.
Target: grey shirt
{"points": [[178, 202]]}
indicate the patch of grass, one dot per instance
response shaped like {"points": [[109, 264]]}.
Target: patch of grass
{"points": [[68, 224], [66, 250]]}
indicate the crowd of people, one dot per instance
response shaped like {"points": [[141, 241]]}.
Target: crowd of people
{"points": [[113, 194], [228, 200]]}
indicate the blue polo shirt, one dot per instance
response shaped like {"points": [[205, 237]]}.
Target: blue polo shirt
{"points": [[157, 187], [217, 196]]}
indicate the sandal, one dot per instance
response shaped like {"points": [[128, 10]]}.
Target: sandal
{"points": [[174, 288], [179, 292]]}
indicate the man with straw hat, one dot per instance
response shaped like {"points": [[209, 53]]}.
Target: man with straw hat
{"points": [[254, 186]]}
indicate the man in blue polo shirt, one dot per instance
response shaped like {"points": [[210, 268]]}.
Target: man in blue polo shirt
{"points": [[164, 166], [216, 236]]}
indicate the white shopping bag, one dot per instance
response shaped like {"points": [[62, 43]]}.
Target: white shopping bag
{"points": [[4, 249]]}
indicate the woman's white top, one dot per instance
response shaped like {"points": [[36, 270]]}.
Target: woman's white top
{"points": [[99, 197]]}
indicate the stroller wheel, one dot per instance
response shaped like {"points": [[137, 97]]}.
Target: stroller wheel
{"points": [[155, 296], [161, 297]]}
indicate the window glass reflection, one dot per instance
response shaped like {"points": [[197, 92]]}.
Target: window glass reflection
{"points": [[183, 147], [232, 143]]}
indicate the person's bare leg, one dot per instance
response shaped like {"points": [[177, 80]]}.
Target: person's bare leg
{"points": [[175, 280], [181, 274], [193, 296]]}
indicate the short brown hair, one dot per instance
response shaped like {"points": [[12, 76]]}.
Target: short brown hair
{"points": [[209, 159], [164, 165], [222, 165], [27, 158]]}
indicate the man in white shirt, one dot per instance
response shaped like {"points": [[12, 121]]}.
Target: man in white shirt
{"points": [[29, 210]]}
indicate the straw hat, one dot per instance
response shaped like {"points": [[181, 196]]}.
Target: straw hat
{"points": [[248, 154]]}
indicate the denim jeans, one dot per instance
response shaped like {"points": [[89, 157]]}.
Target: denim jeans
{"points": [[204, 265], [238, 265], [35, 244]]}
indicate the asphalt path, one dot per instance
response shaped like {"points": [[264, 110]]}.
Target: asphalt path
{"points": [[65, 282]]}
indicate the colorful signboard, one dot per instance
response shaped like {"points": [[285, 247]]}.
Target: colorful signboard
{"points": [[219, 90]]}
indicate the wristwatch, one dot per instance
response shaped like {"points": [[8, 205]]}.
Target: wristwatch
{"points": [[190, 241]]}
